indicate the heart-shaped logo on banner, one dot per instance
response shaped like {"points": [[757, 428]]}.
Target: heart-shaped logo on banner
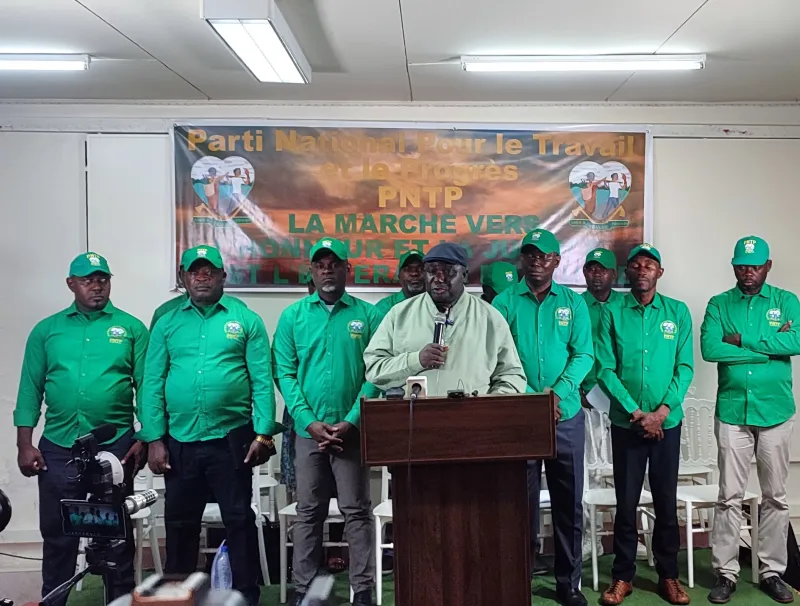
{"points": [[223, 184], [600, 189]]}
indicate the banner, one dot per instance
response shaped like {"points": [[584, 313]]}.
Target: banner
{"points": [[265, 194]]}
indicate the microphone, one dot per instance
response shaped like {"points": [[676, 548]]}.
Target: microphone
{"points": [[439, 324], [416, 388], [140, 500]]}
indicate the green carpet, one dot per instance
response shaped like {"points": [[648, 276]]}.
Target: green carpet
{"points": [[543, 589]]}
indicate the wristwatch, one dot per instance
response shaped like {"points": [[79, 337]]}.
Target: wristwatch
{"points": [[266, 441]]}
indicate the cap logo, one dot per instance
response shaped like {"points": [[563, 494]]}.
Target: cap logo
{"points": [[669, 329], [536, 235], [563, 315], [509, 276], [646, 246], [598, 254], [116, 334], [749, 246], [233, 330], [202, 252], [93, 259], [356, 328], [774, 316], [327, 243]]}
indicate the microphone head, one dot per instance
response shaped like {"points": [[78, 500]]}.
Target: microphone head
{"points": [[440, 318], [104, 433]]}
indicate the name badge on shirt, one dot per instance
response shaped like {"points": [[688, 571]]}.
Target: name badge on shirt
{"points": [[233, 330], [116, 334], [356, 328], [774, 316], [669, 329], [564, 315]]}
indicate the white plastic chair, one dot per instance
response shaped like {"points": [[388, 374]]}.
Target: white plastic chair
{"points": [[383, 516], [604, 500], [698, 445], [212, 517], [287, 514]]}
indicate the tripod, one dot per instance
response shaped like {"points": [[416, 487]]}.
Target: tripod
{"points": [[98, 562]]}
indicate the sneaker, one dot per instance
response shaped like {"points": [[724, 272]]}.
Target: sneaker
{"points": [[363, 598], [722, 591], [777, 590]]}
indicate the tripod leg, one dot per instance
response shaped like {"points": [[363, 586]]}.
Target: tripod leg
{"points": [[62, 591]]}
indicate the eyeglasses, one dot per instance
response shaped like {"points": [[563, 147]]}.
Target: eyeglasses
{"points": [[448, 271]]}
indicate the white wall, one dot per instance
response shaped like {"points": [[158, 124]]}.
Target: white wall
{"points": [[708, 193]]}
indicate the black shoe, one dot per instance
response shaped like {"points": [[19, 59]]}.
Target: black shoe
{"points": [[298, 598], [777, 590], [722, 591], [540, 566], [363, 598], [567, 596]]}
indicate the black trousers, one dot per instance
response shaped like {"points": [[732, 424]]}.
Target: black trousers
{"points": [[565, 482], [60, 553], [631, 453], [198, 467]]}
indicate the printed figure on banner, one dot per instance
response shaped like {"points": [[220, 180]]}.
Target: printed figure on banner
{"points": [[222, 185], [600, 190]]}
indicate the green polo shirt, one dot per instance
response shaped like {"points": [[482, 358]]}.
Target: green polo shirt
{"points": [[754, 380], [595, 310], [645, 357], [85, 367], [553, 339], [319, 359], [208, 372], [384, 305], [167, 307]]}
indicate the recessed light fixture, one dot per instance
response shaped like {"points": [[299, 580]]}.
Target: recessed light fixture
{"points": [[257, 33], [586, 63], [56, 63]]}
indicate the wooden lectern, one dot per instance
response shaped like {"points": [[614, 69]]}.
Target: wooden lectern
{"points": [[459, 493]]}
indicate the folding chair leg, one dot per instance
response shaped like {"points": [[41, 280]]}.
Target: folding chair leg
{"points": [[593, 531], [262, 550], [648, 538], [152, 533], [690, 542], [139, 538], [378, 560]]}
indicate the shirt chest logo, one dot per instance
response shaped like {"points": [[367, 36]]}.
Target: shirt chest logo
{"points": [[356, 328], [669, 329], [774, 316], [233, 330], [116, 334], [563, 315]]}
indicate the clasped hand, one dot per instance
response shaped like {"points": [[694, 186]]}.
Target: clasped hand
{"points": [[650, 422], [329, 437]]}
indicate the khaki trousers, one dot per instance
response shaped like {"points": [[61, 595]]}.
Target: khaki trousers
{"points": [[737, 444]]}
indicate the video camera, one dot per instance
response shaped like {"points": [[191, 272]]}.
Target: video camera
{"points": [[105, 516]]}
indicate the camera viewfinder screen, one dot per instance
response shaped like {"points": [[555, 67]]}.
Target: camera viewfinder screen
{"points": [[92, 520]]}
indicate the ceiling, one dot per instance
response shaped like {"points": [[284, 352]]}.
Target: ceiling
{"points": [[359, 50]]}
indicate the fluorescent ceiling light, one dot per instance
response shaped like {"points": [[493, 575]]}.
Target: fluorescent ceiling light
{"points": [[258, 34], [588, 63], [57, 63]]}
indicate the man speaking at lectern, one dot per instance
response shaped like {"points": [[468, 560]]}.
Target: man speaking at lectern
{"points": [[478, 352]]}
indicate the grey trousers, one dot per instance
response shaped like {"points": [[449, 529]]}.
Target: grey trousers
{"points": [[737, 444], [318, 475]]}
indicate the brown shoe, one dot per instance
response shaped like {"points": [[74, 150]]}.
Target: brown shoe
{"points": [[672, 591], [616, 594]]}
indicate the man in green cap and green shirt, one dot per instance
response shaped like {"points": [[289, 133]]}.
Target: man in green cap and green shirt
{"points": [[748, 332], [553, 334], [319, 367], [85, 363], [645, 364], [496, 278], [208, 410], [412, 282]]}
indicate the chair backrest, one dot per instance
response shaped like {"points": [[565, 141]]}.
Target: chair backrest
{"points": [[698, 444], [598, 454], [385, 479]]}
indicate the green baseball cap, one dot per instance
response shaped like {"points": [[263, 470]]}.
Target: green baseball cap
{"points": [[202, 252], [603, 256], [645, 249], [407, 256], [499, 276], [87, 264], [750, 250], [543, 240], [335, 246]]}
